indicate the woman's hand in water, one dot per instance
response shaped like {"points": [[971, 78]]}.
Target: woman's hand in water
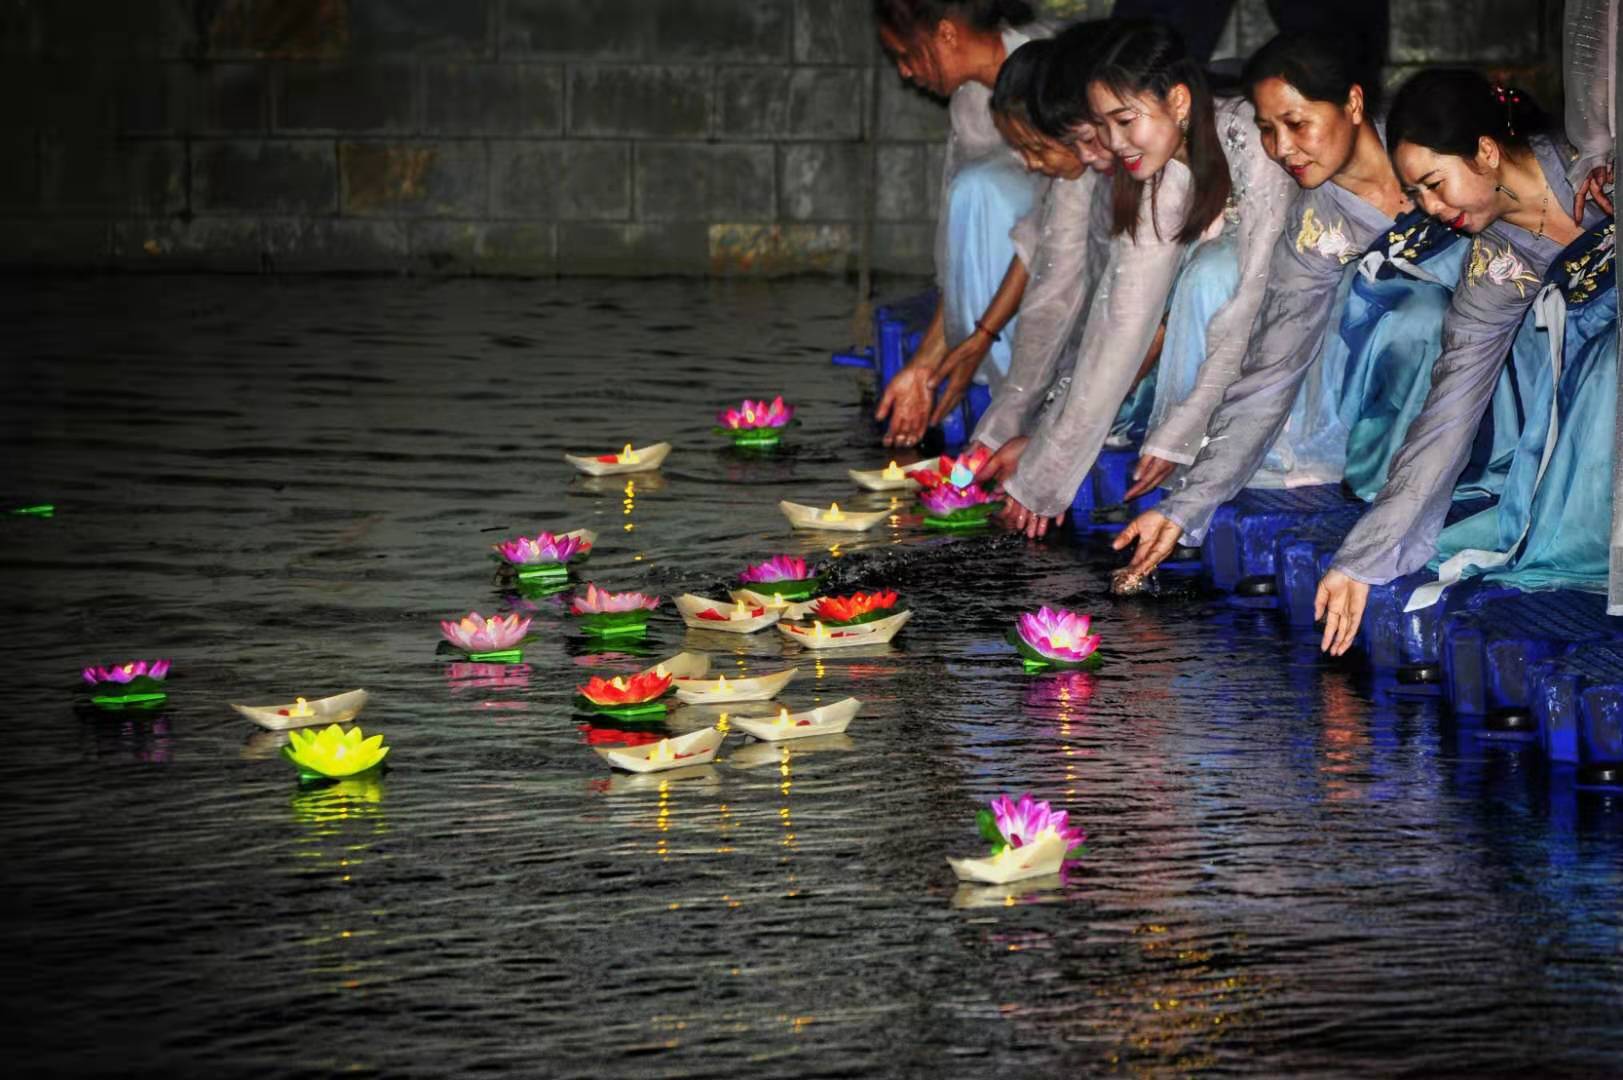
{"points": [[1340, 603], [1594, 188], [906, 402], [1016, 518], [1001, 465], [1156, 534], [957, 371], [1148, 474]]}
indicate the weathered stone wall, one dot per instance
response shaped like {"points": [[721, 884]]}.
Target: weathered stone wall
{"points": [[502, 136]]}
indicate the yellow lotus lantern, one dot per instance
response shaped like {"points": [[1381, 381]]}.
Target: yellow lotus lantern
{"points": [[333, 753]]}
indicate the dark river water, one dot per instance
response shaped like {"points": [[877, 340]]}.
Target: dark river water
{"points": [[283, 485]]}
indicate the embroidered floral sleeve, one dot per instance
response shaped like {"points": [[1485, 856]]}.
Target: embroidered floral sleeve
{"points": [[1399, 533], [1306, 271]]}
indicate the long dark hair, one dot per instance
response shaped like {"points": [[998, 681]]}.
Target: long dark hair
{"points": [[1145, 56], [1019, 80], [1319, 69], [1060, 101], [1449, 109], [907, 18]]}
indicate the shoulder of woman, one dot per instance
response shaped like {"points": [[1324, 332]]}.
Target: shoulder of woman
{"points": [[1499, 280]]}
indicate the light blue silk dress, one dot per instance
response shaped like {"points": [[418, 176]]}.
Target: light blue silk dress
{"points": [[1552, 527]]}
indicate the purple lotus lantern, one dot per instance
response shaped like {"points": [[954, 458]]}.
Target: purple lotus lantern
{"points": [[610, 614], [135, 684], [1029, 839], [755, 424], [783, 576], [951, 504], [1055, 638], [544, 557]]}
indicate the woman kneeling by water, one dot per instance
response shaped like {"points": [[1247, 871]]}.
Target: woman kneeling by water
{"points": [[1463, 148], [954, 49], [1183, 156], [1303, 386], [1067, 242]]}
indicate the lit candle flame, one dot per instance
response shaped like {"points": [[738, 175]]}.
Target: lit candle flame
{"points": [[833, 513], [893, 471], [741, 612], [302, 708], [628, 456], [722, 687], [783, 717], [659, 669], [663, 752], [818, 631], [778, 600], [618, 683]]}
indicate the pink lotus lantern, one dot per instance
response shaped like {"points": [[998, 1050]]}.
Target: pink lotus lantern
{"points": [[493, 640], [610, 614], [784, 576], [951, 499], [545, 555], [135, 684], [1029, 839], [1055, 638], [756, 424]]}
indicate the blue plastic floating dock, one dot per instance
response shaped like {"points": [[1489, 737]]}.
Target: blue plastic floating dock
{"points": [[1488, 652], [898, 329], [1100, 504], [1578, 707], [1298, 554], [1238, 555]]}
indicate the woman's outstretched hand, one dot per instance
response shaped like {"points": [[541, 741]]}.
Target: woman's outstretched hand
{"points": [[1017, 518], [1157, 536], [906, 403], [1001, 465], [956, 372], [1340, 603], [1148, 474]]}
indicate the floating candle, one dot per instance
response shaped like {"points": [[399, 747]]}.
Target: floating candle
{"points": [[630, 459], [137, 684], [726, 691], [834, 519], [338, 709], [873, 632], [334, 753], [824, 720], [740, 618], [695, 748], [1029, 839]]}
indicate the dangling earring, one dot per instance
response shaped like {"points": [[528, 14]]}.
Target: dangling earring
{"points": [[1183, 127], [1503, 190]]}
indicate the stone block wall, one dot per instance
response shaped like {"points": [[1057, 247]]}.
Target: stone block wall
{"points": [[502, 136]]}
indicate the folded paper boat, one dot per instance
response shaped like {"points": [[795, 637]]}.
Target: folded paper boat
{"points": [[338, 709], [823, 720]]}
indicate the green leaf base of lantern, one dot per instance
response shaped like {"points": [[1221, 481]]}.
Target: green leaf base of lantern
{"points": [[642, 710], [42, 510], [500, 656], [1035, 661], [141, 692], [792, 591], [970, 517], [541, 573], [616, 624]]}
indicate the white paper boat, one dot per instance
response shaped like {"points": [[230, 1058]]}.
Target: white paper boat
{"points": [[816, 636], [715, 692], [1014, 864], [698, 776], [690, 606], [697, 748], [823, 720], [876, 480], [812, 517], [790, 609], [645, 458], [753, 755], [338, 709], [684, 665], [996, 896], [586, 536]]}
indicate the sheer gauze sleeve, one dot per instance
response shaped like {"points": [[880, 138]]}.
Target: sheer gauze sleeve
{"points": [[1056, 244], [1589, 67], [1262, 195], [1399, 533], [1122, 317], [1308, 262]]}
